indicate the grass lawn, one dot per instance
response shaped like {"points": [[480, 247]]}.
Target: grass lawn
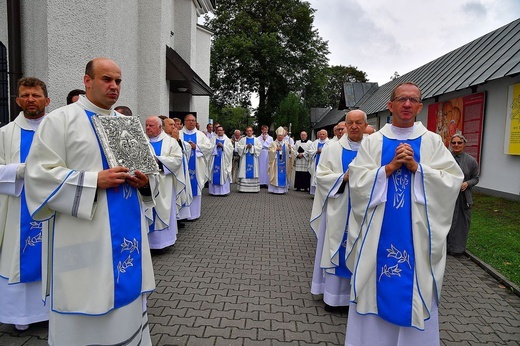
{"points": [[494, 236]]}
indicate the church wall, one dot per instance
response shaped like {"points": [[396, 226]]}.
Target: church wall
{"points": [[59, 37]]}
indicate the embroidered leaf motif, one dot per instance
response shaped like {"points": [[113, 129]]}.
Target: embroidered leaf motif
{"points": [[401, 257], [32, 241], [121, 267], [394, 270], [36, 224], [128, 245], [384, 271]]}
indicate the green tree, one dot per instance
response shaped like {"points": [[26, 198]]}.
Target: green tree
{"points": [[291, 111], [267, 47], [232, 118]]}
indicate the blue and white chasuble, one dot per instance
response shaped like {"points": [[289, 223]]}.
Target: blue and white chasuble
{"points": [[281, 166], [30, 230], [317, 158], [192, 164], [250, 160], [395, 254], [217, 163], [341, 270]]}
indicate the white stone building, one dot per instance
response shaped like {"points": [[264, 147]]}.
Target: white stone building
{"points": [[163, 53]]}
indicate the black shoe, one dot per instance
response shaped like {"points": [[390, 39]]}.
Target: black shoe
{"points": [[340, 309], [330, 308]]}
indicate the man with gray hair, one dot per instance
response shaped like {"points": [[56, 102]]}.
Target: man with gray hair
{"points": [[302, 177], [314, 153], [329, 218], [163, 216], [198, 162]]}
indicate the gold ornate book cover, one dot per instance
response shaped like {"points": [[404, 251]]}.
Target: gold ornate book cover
{"points": [[124, 143]]}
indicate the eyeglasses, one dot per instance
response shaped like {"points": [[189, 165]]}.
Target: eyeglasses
{"points": [[458, 143], [403, 99]]}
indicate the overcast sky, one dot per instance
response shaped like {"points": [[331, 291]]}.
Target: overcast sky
{"points": [[382, 36]]}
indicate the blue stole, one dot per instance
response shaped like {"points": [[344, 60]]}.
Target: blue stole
{"points": [[250, 160], [30, 230], [124, 211], [395, 253], [157, 147], [192, 164], [341, 270], [217, 163], [317, 159], [282, 171]]}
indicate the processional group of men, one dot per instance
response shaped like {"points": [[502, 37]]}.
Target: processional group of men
{"points": [[381, 213], [382, 209]]}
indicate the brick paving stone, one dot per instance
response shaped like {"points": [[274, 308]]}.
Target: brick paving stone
{"points": [[284, 343], [251, 333], [273, 316], [200, 341], [229, 342], [303, 336], [328, 339], [264, 324], [158, 329], [271, 335]]}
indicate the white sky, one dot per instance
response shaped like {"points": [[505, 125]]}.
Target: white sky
{"points": [[383, 36]]}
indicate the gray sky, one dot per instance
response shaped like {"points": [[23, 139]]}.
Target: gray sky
{"points": [[382, 36]]}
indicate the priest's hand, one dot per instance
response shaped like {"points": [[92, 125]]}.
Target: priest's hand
{"points": [[403, 155], [193, 145], [112, 177], [139, 180]]}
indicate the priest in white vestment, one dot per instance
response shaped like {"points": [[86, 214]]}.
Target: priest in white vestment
{"points": [[263, 160], [249, 149], [163, 215], [403, 185], [237, 136], [20, 235], [198, 162], [302, 176], [338, 131], [97, 266], [313, 154], [181, 184], [280, 163], [221, 164], [329, 218]]}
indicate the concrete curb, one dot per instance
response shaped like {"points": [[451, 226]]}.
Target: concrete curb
{"points": [[494, 273]]}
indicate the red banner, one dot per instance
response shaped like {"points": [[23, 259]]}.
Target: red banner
{"points": [[462, 115]]}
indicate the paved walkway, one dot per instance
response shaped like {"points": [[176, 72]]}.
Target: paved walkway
{"points": [[240, 275]]}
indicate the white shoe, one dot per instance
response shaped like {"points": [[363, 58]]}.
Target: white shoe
{"points": [[21, 327]]}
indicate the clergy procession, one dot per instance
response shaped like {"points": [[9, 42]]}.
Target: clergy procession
{"points": [[77, 236]]}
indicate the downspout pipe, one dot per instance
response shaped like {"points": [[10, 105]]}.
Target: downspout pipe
{"points": [[14, 54]]}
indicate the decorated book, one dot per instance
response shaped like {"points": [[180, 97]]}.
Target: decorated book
{"points": [[124, 143]]}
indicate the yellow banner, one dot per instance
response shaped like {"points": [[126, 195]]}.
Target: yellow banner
{"points": [[514, 120]]}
